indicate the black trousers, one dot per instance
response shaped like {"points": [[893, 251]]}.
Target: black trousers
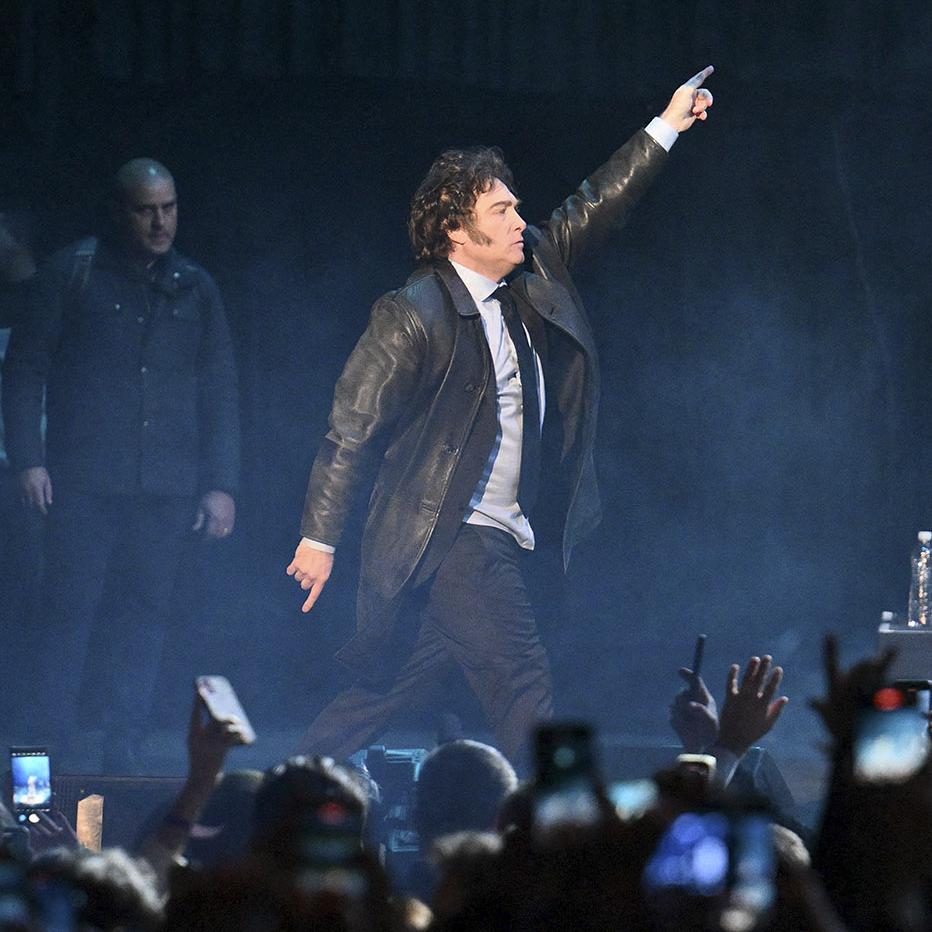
{"points": [[126, 546], [476, 612]]}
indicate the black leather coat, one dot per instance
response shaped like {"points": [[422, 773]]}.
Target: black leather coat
{"points": [[414, 409]]}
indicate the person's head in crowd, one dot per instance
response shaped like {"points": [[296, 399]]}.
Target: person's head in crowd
{"points": [[468, 894], [255, 896], [224, 827], [306, 800], [246, 896], [516, 813], [111, 889], [144, 209], [460, 787]]}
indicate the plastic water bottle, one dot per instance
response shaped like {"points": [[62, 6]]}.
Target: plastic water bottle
{"points": [[920, 589]]}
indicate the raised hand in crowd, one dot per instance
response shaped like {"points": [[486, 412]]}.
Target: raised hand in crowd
{"points": [[53, 830], [748, 713], [846, 690], [750, 709], [208, 743], [694, 714], [874, 843]]}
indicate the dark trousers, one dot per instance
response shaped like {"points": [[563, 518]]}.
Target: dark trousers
{"points": [[124, 546], [476, 613]]}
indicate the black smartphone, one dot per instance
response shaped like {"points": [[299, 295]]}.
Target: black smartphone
{"points": [[891, 733], [698, 653], [566, 781], [222, 704], [716, 863], [331, 851], [31, 774]]}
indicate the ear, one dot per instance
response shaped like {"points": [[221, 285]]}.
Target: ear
{"points": [[457, 236]]}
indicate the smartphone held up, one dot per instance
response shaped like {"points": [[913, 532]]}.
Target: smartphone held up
{"points": [[891, 737], [31, 774], [223, 705], [566, 782]]}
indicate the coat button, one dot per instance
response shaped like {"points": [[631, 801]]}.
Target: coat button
{"points": [[140, 320], [145, 423], [116, 307], [143, 369], [470, 388]]}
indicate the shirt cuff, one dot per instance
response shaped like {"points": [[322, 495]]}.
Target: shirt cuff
{"points": [[662, 132], [726, 763], [317, 545]]}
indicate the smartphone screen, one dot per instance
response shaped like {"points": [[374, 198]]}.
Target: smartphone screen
{"points": [[719, 863], [32, 782], [891, 739], [565, 786], [633, 798]]}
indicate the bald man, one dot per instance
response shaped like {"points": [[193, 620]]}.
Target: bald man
{"points": [[128, 342]]}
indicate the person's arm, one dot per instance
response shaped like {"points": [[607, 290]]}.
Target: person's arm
{"points": [[603, 202], [218, 417], [872, 845], [376, 386], [52, 830], [749, 712], [208, 744]]}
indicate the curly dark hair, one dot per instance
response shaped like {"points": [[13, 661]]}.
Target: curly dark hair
{"points": [[445, 199]]}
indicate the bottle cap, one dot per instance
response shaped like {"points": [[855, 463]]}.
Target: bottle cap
{"points": [[925, 536]]}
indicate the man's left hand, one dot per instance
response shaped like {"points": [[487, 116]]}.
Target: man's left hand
{"points": [[689, 102], [750, 709], [693, 714], [216, 514]]}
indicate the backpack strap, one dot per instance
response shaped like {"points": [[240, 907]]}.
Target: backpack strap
{"points": [[81, 264]]}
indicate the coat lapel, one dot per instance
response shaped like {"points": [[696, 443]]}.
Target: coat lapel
{"points": [[554, 303], [462, 299]]}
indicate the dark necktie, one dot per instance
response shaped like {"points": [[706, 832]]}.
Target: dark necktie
{"points": [[530, 404]]}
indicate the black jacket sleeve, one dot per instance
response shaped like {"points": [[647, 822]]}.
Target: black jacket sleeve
{"points": [[376, 385], [603, 202], [217, 397]]}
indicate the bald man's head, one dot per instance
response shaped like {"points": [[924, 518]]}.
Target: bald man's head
{"points": [[145, 209], [137, 172]]}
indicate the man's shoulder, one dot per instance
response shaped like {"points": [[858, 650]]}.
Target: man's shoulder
{"points": [[185, 270], [423, 294]]}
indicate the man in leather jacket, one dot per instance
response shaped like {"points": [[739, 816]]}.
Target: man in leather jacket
{"points": [[436, 403]]}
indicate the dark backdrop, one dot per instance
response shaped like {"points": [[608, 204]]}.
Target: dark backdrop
{"points": [[763, 321]]}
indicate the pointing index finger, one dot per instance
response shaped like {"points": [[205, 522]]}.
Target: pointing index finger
{"points": [[697, 79]]}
